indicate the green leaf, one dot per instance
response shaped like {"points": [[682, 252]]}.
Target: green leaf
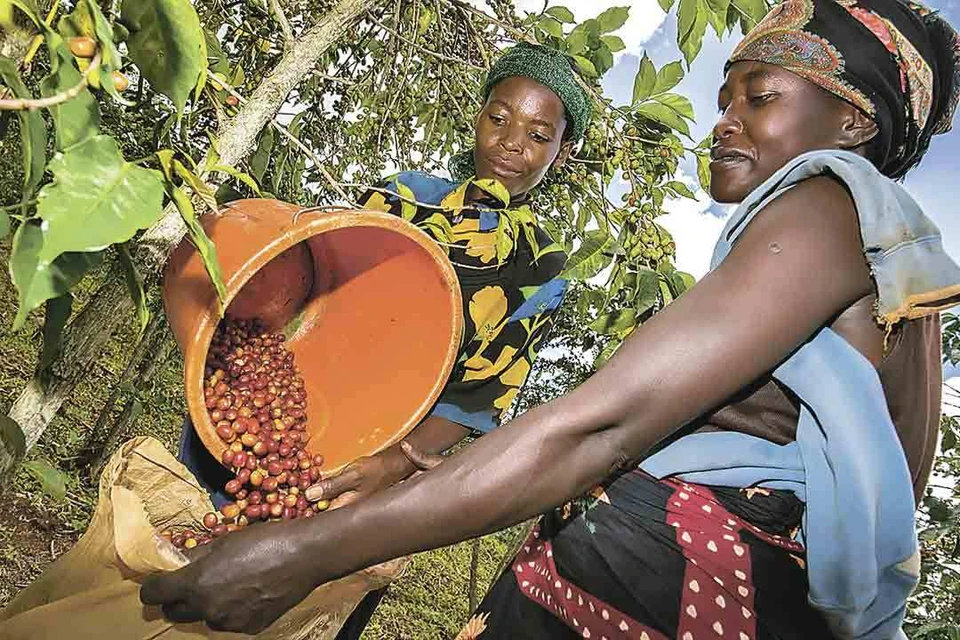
{"points": [[261, 157], [644, 81], [243, 177], [681, 189], [668, 77], [615, 323], [167, 43], [216, 57], [54, 320], [203, 190], [200, 240], [703, 171], [576, 42], [666, 5], [97, 199], [680, 104], [77, 119], [135, 285], [39, 281], [612, 19], [33, 133], [551, 26], [753, 9], [53, 482], [12, 438], [664, 115], [561, 13], [614, 43], [591, 257], [604, 59], [586, 67], [648, 290], [4, 225], [718, 15], [691, 27]]}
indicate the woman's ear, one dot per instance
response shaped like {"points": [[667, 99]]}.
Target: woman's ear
{"points": [[856, 128], [566, 148]]}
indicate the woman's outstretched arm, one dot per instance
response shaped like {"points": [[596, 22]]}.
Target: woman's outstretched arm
{"points": [[797, 266]]}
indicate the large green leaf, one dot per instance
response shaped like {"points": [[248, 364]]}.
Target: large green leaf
{"points": [[664, 115], [612, 19], [38, 281], [691, 27], [77, 119], [680, 104], [668, 77], [594, 254], [644, 81], [97, 199], [167, 43], [53, 482], [33, 134], [54, 320]]}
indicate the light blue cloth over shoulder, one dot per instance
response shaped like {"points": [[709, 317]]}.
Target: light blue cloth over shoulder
{"points": [[847, 463]]}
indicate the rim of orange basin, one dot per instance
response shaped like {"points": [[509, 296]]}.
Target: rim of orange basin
{"points": [[307, 224]]}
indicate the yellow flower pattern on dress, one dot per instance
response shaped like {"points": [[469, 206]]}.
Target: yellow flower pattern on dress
{"points": [[508, 270]]}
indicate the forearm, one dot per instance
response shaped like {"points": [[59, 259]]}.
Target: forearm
{"points": [[509, 475]]}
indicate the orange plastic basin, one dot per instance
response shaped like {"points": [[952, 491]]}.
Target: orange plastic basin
{"points": [[370, 304]]}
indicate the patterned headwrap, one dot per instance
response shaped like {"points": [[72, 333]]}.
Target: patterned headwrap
{"points": [[895, 60], [550, 68]]}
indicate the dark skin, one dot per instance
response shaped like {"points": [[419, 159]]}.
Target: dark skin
{"points": [[671, 370], [519, 136]]}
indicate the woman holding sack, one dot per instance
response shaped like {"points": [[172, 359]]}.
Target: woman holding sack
{"points": [[791, 397]]}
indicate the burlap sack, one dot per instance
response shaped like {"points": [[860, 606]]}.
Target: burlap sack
{"points": [[92, 591]]}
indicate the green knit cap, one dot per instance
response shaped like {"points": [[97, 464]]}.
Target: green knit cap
{"points": [[550, 68]]}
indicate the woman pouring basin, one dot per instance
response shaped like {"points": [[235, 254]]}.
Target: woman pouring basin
{"points": [[796, 388]]}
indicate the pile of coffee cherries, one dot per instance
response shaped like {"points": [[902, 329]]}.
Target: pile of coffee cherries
{"points": [[255, 397]]}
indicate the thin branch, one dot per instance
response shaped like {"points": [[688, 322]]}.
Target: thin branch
{"points": [[422, 49], [29, 104], [281, 17]]}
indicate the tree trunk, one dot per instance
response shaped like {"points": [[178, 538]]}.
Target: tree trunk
{"points": [[85, 337]]}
